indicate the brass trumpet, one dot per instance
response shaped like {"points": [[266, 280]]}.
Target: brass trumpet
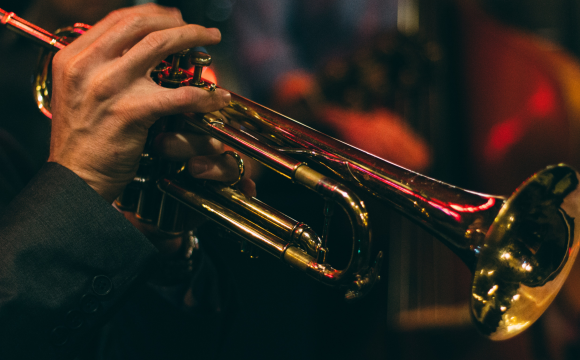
{"points": [[520, 248]]}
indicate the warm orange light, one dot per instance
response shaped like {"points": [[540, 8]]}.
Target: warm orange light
{"points": [[209, 75]]}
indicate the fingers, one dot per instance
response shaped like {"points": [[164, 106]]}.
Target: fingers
{"points": [[156, 46], [116, 17], [130, 30], [219, 167], [145, 34], [99, 100], [247, 186], [148, 34], [183, 146], [222, 168], [186, 99]]}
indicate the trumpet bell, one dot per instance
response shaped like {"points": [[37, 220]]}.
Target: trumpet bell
{"points": [[527, 255], [520, 250]]}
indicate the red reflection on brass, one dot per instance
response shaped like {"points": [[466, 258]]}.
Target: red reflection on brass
{"points": [[472, 209], [437, 206], [45, 112], [453, 214]]}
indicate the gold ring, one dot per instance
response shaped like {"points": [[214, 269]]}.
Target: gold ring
{"points": [[240, 163]]}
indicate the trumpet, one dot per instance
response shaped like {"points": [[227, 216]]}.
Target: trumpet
{"points": [[520, 248]]}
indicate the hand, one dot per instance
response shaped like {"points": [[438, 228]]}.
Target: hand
{"points": [[205, 161], [104, 100]]}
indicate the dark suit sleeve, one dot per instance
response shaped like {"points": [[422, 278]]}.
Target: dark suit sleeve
{"points": [[67, 257]]}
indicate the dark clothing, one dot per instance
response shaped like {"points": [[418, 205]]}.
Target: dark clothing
{"points": [[16, 168], [66, 258]]}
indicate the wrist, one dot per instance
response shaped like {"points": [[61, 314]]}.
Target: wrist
{"points": [[107, 187]]}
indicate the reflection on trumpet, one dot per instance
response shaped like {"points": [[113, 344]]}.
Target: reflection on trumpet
{"points": [[520, 249]]}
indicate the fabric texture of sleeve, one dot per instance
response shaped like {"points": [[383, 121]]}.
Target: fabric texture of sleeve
{"points": [[67, 258]]}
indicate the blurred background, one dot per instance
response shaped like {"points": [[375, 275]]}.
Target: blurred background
{"points": [[477, 93]]}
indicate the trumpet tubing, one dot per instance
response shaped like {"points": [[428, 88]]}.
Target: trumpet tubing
{"points": [[520, 248]]}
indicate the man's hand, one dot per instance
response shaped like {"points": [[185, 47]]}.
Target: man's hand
{"points": [[205, 161], [104, 100]]}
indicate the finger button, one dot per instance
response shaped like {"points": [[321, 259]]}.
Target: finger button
{"points": [[199, 60], [102, 285], [90, 304]]}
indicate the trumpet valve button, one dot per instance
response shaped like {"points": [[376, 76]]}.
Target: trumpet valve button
{"points": [[199, 60], [177, 61], [172, 76]]}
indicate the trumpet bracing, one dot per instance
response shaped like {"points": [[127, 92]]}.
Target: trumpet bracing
{"points": [[520, 249]]}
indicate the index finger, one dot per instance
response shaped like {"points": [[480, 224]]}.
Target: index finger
{"points": [[158, 45], [182, 146], [115, 17]]}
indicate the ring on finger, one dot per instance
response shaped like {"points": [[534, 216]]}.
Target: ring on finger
{"points": [[240, 162]]}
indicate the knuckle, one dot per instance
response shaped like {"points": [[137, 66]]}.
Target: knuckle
{"points": [[178, 18], [212, 103], [133, 21], [153, 6], [72, 69], [58, 62], [195, 30], [198, 100], [174, 20], [155, 41], [163, 9], [177, 13], [116, 15], [204, 102], [101, 87]]}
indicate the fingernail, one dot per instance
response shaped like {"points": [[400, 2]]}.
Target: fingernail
{"points": [[226, 97], [197, 167]]}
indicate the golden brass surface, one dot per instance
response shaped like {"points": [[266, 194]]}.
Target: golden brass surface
{"points": [[240, 163], [520, 249]]}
